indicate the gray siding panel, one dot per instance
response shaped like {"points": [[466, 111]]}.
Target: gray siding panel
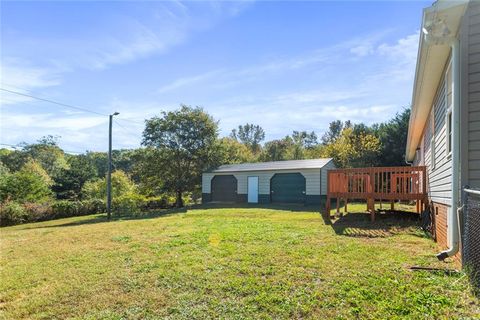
{"points": [[439, 175], [473, 91]]}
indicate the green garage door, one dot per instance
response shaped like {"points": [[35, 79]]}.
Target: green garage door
{"points": [[287, 188], [224, 188]]}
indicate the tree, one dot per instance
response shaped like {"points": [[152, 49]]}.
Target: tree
{"points": [[352, 149], [334, 130], [393, 137], [276, 150], [100, 161], [235, 152], [30, 184], [186, 145], [14, 160], [69, 181], [97, 189], [47, 152], [250, 135], [301, 141]]}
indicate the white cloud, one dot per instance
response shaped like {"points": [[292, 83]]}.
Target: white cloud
{"points": [[363, 50], [19, 75], [182, 82], [405, 48]]}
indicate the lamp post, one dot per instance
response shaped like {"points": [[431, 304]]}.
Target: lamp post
{"points": [[109, 173]]}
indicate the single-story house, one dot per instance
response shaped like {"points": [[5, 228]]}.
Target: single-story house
{"points": [[295, 181], [444, 128]]}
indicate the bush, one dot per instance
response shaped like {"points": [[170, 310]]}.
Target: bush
{"points": [[156, 203], [12, 213], [129, 203], [38, 211], [66, 208]]}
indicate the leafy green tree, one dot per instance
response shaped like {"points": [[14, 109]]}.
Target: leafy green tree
{"points": [[100, 161], [47, 152], [121, 185], [30, 184], [148, 170], [250, 135], [334, 130], [186, 144], [352, 149], [235, 152], [14, 160], [69, 181], [393, 138], [277, 150], [301, 141]]}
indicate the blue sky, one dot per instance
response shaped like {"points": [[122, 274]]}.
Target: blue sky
{"points": [[283, 65]]}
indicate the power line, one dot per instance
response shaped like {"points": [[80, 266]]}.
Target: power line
{"points": [[124, 128], [18, 146], [62, 104], [130, 120], [53, 102]]}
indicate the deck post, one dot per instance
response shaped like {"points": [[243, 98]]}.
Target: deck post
{"points": [[392, 205], [418, 205], [327, 207], [338, 205], [371, 208], [346, 203]]}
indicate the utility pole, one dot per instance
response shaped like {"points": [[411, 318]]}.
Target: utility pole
{"points": [[109, 173]]}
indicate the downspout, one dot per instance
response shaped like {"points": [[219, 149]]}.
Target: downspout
{"points": [[453, 234]]}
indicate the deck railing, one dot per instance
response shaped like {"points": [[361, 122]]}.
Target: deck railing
{"points": [[377, 183]]}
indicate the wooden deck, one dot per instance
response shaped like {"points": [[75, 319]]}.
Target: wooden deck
{"points": [[377, 184]]}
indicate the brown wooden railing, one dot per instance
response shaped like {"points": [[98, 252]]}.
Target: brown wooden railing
{"points": [[377, 183]]}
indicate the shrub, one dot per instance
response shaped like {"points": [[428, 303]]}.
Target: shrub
{"points": [[156, 203], [12, 213], [129, 203], [37, 211], [66, 208]]}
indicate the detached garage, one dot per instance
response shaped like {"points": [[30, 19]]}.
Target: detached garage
{"points": [[295, 181]]}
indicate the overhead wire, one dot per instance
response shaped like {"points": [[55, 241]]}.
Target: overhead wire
{"points": [[67, 106], [53, 102]]}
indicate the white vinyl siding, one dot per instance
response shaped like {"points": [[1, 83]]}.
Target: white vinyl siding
{"points": [[439, 166], [325, 169], [313, 179]]}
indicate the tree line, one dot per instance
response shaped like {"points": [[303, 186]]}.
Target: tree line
{"points": [[41, 181]]}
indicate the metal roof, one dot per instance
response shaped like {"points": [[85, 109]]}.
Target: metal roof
{"points": [[274, 165]]}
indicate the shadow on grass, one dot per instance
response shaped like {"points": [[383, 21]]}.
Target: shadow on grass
{"points": [[101, 218], [281, 207], [387, 223]]}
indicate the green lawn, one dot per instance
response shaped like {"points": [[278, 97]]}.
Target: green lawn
{"points": [[235, 263]]}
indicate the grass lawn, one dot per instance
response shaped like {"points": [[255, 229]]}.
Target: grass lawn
{"points": [[235, 263]]}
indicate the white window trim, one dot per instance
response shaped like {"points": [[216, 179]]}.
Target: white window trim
{"points": [[432, 139], [448, 133]]}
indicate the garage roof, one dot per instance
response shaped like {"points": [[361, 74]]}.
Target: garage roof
{"points": [[275, 165]]}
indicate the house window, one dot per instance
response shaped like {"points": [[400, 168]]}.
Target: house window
{"points": [[449, 131]]}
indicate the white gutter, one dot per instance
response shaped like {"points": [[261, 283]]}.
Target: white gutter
{"points": [[452, 218]]}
